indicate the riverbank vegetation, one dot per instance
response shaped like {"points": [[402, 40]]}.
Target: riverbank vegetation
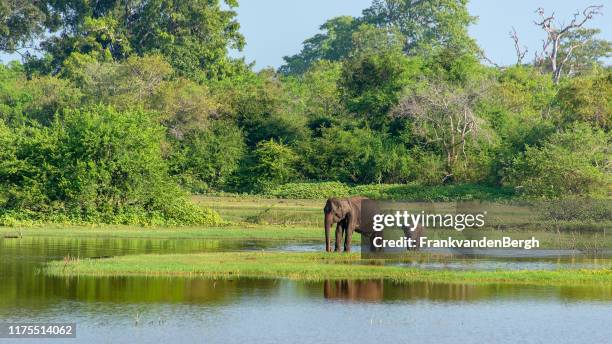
{"points": [[127, 108], [310, 267], [291, 220]]}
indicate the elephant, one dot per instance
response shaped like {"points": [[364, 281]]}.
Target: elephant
{"points": [[346, 212]]}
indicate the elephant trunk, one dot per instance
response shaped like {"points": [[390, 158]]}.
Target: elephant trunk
{"points": [[328, 223]]}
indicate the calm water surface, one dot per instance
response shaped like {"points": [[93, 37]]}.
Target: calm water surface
{"points": [[129, 309]]}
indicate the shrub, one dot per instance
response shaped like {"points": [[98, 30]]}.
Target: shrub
{"points": [[92, 165], [359, 155], [271, 163], [309, 190], [204, 159], [570, 162], [400, 192]]}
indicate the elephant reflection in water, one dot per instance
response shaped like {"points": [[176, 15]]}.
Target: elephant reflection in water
{"points": [[353, 290]]}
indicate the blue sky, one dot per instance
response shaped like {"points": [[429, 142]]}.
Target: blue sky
{"points": [[275, 28]]}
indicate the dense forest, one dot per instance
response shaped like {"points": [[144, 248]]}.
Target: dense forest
{"points": [[118, 109]]}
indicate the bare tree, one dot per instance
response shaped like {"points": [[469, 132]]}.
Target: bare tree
{"points": [[520, 51], [444, 116], [554, 36]]}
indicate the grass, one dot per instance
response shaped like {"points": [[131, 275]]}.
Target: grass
{"points": [[244, 232], [309, 267]]}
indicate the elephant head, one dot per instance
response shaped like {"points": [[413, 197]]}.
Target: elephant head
{"points": [[335, 210]]}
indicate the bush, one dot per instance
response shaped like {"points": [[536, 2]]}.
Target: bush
{"points": [[93, 165], [400, 192], [577, 209], [357, 156], [439, 193], [271, 163], [204, 159], [571, 162], [309, 190]]}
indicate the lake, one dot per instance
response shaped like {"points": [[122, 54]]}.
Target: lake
{"points": [[125, 309]]}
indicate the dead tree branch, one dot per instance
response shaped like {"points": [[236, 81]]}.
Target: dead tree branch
{"points": [[554, 35]]}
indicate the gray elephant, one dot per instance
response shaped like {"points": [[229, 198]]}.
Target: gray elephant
{"points": [[346, 212]]}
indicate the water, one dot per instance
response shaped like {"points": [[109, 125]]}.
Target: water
{"points": [[128, 309]]}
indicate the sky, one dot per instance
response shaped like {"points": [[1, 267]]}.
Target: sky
{"points": [[276, 28]]}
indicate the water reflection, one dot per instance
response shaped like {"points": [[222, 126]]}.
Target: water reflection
{"points": [[252, 310], [23, 287], [371, 290]]}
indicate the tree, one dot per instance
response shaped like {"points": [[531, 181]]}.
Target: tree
{"points": [[358, 155], [192, 35], [261, 107], [520, 51], [555, 48], [591, 51], [333, 44], [421, 27], [444, 114], [587, 99], [37, 100], [270, 164], [425, 24], [20, 22], [317, 94], [205, 159], [123, 84], [371, 83]]}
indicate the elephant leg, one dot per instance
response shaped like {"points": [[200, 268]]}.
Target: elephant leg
{"points": [[348, 238], [338, 236], [407, 234]]}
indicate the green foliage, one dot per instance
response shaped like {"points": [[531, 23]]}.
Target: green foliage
{"points": [[333, 44], [193, 36], [93, 165], [124, 84], [318, 90], [402, 192], [588, 52], [588, 99], [262, 108], [417, 28], [426, 25], [571, 162], [20, 22], [271, 163], [355, 156], [371, 83], [207, 158], [39, 98], [319, 190]]}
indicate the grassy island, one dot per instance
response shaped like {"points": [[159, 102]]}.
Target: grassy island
{"points": [[309, 267]]}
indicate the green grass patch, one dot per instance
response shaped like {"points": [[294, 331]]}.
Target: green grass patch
{"points": [[242, 232], [308, 267]]}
